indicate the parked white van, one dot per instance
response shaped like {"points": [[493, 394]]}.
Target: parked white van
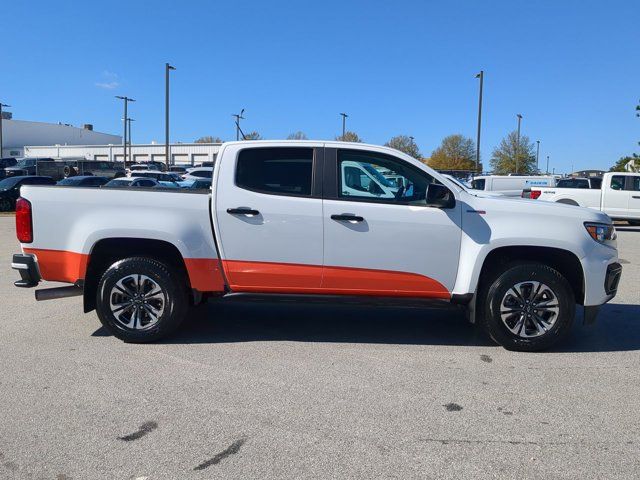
{"points": [[511, 185]]}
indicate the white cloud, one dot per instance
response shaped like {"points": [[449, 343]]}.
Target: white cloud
{"points": [[109, 80]]}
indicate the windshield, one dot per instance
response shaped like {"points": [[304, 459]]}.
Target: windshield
{"points": [[8, 183], [377, 175], [69, 181], [118, 183], [457, 182]]}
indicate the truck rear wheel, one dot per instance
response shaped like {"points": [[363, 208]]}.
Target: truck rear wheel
{"points": [[527, 307], [141, 300]]}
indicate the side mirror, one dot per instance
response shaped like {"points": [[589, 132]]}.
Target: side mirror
{"points": [[439, 196]]}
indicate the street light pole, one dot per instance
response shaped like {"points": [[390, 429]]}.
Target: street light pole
{"points": [[537, 154], [518, 143], [167, 69], [547, 164], [481, 77], [1, 144], [238, 117], [124, 144], [129, 120], [344, 124]]}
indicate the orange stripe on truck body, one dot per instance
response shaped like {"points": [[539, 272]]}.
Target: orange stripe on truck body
{"points": [[273, 277], [69, 267], [60, 265], [205, 274]]}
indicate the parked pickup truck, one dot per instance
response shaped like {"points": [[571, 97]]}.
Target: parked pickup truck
{"points": [[285, 218], [619, 196]]}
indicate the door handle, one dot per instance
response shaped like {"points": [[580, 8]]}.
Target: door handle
{"points": [[347, 217], [636, 196], [242, 211]]}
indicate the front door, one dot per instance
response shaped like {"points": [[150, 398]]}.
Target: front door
{"points": [[616, 197], [634, 199], [269, 218], [381, 244]]}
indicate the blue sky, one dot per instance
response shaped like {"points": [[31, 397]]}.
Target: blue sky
{"points": [[572, 68]]}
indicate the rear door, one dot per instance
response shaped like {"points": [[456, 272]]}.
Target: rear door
{"points": [[268, 209], [376, 245]]}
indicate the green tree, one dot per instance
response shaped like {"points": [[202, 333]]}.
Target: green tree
{"points": [[406, 145], [297, 136], [209, 139], [349, 137], [628, 163], [513, 157], [456, 152], [252, 136]]}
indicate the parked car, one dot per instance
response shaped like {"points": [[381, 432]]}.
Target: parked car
{"points": [[128, 182], [25, 166], [5, 163], [83, 181], [160, 176], [70, 167], [199, 184], [200, 172], [619, 196], [155, 166], [510, 185], [177, 169], [281, 223], [10, 189]]}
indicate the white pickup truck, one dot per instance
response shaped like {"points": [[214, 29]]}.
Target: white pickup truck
{"points": [[619, 196], [288, 218]]}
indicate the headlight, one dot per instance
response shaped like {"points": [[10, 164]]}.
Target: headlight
{"points": [[601, 232]]}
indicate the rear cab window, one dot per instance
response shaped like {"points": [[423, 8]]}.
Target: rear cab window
{"points": [[276, 171]]}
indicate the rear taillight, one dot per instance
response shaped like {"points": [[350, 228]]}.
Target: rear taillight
{"points": [[24, 221], [535, 194]]}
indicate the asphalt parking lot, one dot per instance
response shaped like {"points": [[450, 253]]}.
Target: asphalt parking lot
{"points": [[292, 390]]}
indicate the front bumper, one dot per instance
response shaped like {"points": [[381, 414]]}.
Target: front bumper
{"points": [[601, 275], [612, 278], [27, 265]]}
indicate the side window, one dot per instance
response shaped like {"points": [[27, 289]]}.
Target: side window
{"points": [[635, 184], [380, 178], [617, 182], [278, 171], [596, 183]]}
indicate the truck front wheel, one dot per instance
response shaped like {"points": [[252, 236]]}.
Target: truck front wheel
{"points": [[141, 300], [527, 307]]}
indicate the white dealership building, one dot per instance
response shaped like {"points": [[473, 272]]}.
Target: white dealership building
{"points": [[17, 134], [180, 153]]}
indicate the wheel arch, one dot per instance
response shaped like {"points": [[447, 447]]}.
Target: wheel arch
{"points": [[568, 201], [109, 250], [564, 261]]}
